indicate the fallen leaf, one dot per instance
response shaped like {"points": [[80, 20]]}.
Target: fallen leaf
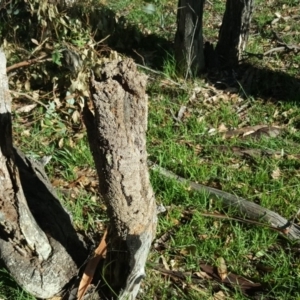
{"points": [[191, 249], [235, 281], [222, 128], [203, 236], [164, 262], [253, 131], [277, 14], [61, 143], [222, 268], [229, 239], [26, 108], [161, 242], [26, 133], [173, 264], [76, 116], [27, 85], [181, 112], [91, 266], [219, 295], [212, 131], [276, 173], [202, 291], [202, 275], [37, 43]]}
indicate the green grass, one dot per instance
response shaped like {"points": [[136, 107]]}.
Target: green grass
{"points": [[193, 148], [9, 290]]}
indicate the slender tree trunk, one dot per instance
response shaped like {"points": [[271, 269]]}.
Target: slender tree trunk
{"points": [[43, 264], [234, 31], [117, 137], [189, 37]]}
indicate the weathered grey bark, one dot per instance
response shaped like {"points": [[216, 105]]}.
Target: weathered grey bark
{"points": [[189, 37], [243, 207], [38, 244], [234, 31], [117, 137]]}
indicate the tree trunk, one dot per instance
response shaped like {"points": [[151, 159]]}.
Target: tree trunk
{"points": [[234, 31], [189, 39], [117, 137], [38, 244]]}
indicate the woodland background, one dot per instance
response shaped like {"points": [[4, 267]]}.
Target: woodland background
{"points": [[236, 130]]}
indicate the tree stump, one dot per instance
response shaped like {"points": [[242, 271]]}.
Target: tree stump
{"points": [[117, 137], [38, 243]]}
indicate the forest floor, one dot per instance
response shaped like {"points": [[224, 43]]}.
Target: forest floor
{"points": [[237, 131]]}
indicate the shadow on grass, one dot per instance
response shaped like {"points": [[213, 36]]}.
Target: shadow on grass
{"points": [[152, 51], [271, 85], [147, 49]]}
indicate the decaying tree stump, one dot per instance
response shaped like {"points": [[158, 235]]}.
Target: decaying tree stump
{"points": [[234, 31], [117, 137], [38, 244], [37, 241], [189, 37]]}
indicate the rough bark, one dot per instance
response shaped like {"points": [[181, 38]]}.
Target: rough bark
{"points": [[38, 244], [189, 37], [234, 31], [117, 137]]}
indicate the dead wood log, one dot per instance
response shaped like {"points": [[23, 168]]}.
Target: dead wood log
{"points": [[38, 243], [242, 207], [117, 137]]}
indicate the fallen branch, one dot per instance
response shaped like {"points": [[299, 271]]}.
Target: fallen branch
{"points": [[282, 46], [237, 219], [244, 207], [28, 62], [276, 49], [30, 98]]}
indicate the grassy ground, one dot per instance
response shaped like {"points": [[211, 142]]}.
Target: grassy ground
{"points": [[200, 146]]}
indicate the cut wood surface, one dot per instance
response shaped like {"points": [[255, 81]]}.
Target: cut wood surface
{"points": [[117, 137], [38, 244]]}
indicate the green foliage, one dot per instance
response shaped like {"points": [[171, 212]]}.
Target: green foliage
{"points": [[56, 57]]}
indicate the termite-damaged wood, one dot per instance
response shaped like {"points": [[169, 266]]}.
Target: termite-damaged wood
{"points": [[38, 244], [117, 137]]}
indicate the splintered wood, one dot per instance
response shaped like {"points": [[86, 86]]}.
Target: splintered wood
{"points": [[41, 264]]}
